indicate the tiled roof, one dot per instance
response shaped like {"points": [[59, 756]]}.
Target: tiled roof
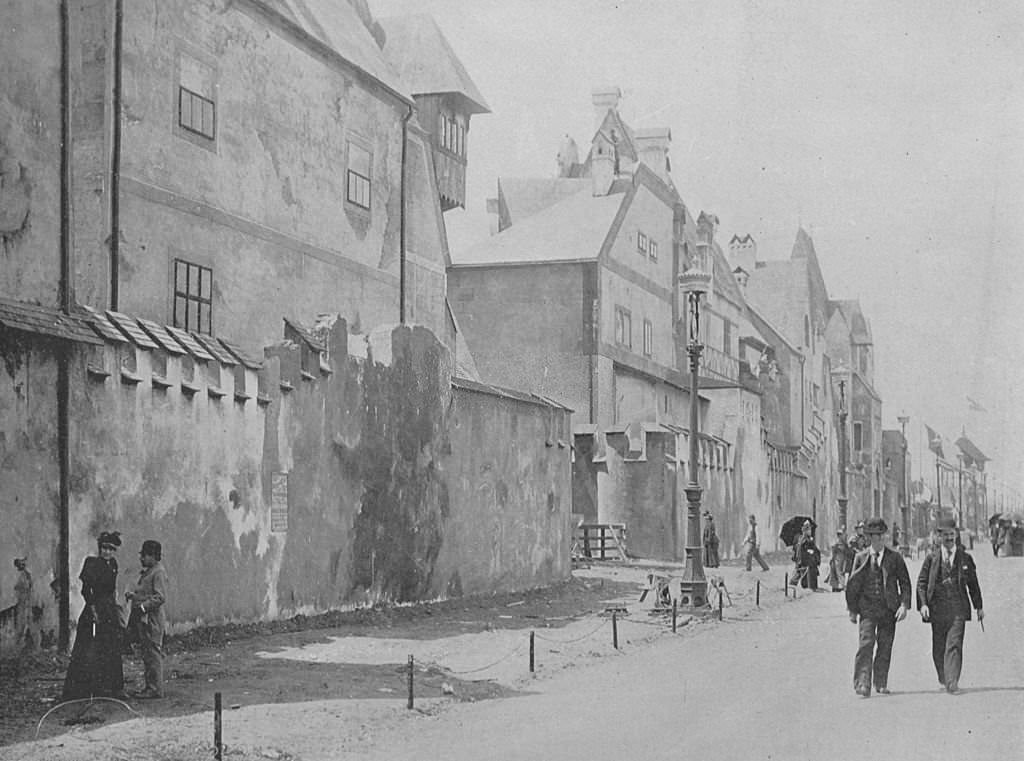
{"points": [[336, 24], [507, 393], [423, 57], [860, 331], [190, 344], [47, 321], [131, 329], [573, 229], [525, 196]]}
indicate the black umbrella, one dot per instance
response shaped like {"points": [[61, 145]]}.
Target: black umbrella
{"points": [[996, 517], [791, 529]]}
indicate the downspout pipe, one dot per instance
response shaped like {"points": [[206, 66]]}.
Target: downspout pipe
{"points": [[67, 300], [115, 157], [401, 218]]}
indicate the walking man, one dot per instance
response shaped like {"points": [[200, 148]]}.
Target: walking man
{"points": [[753, 545], [147, 599], [877, 598], [947, 587]]}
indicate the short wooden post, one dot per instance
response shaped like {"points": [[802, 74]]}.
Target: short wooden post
{"points": [[719, 604], [615, 632], [757, 595], [410, 681], [675, 612], [531, 652], [785, 585], [218, 745]]}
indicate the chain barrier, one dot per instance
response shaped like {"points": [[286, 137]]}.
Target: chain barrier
{"points": [[481, 668]]}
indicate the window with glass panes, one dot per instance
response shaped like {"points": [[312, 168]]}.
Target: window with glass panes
{"points": [[193, 297], [358, 190], [196, 113], [623, 327], [648, 338]]}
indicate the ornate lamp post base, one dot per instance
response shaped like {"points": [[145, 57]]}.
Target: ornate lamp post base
{"points": [[693, 587]]}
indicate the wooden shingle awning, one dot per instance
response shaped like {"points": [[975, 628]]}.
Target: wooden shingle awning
{"points": [[46, 321]]}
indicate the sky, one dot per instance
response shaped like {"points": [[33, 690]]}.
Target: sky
{"points": [[892, 132]]}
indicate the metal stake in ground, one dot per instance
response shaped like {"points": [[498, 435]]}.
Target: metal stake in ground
{"points": [[531, 652], [785, 585], [615, 632], [675, 610], [218, 746], [410, 681], [757, 595]]}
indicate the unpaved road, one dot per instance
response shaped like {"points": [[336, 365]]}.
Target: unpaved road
{"points": [[773, 683]]}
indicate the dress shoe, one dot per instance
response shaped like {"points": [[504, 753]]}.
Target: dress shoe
{"points": [[882, 690], [953, 689], [864, 693], [148, 695]]}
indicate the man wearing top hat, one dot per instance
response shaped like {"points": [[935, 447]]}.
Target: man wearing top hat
{"points": [[147, 598], [877, 597], [947, 587]]}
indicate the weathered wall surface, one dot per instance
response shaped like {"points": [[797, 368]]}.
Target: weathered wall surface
{"points": [[373, 481], [29, 499], [30, 134]]}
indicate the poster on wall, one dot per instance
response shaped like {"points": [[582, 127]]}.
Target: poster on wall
{"points": [[279, 502]]}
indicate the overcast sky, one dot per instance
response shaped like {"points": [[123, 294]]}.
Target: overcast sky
{"points": [[892, 131]]}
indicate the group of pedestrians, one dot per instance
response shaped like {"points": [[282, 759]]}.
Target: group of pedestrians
{"points": [[878, 596], [103, 630]]}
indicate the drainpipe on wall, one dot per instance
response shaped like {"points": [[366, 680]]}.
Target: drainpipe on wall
{"points": [[115, 157], [67, 299], [401, 219]]}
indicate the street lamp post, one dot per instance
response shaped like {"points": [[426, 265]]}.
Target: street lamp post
{"points": [[905, 544], [960, 491], [693, 587]]}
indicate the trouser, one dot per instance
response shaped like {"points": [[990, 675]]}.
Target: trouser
{"points": [[151, 641], [948, 650], [752, 553], [873, 652]]}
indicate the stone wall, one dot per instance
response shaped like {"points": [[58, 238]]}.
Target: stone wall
{"points": [[318, 481]]}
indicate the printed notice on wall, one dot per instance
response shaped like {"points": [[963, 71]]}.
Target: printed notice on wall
{"points": [[278, 501]]}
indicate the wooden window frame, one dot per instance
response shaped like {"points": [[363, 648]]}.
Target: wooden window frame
{"points": [[641, 242], [192, 98], [623, 327], [183, 301], [358, 186]]}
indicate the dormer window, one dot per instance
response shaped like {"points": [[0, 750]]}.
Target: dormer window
{"points": [[453, 134]]}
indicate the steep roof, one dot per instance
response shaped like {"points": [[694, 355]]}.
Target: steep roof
{"points": [[337, 24], [770, 289], [525, 196], [860, 331], [573, 229], [725, 280], [425, 60]]}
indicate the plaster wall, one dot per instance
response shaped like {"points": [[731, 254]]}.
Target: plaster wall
{"points": [[30, 135], [373, 482]]}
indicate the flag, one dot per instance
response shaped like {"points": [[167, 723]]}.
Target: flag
{"points": [[935, 442], [973, 406]]}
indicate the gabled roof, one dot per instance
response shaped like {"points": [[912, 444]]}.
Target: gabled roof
{"points": [[336, 24], [803, 246], [625, 143], [860, 331], [571, 230], [525, 196], [725, 280], [424, 59]]}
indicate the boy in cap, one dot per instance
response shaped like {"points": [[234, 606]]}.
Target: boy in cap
{"points": [[147, 599], [877, 597], [946, 589]]}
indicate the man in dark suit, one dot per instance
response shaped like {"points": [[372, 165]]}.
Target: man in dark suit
{"points": [[947, 587], [877, 597]]}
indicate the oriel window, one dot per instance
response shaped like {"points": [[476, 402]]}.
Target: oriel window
{"points": [[193, 297]]}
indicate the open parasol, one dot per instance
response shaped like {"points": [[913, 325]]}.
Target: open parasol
{"points": [[791, 529]]}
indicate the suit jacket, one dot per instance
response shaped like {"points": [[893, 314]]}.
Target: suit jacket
{"points": [[965, 582], [150, 592], [895, 580]]}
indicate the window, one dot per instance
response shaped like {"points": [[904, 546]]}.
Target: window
{"points": [[453, 134], [623, 327], [652, 247], [727, 337], [648, 338], [196, 113], [358, 190], [193, 297], [641, 243], [858, 437]]}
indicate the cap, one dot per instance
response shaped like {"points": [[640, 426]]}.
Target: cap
{"points": [[875, 526], [151, 547]]}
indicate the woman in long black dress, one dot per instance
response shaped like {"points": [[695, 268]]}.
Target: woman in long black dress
{"points": [[95, 668]]}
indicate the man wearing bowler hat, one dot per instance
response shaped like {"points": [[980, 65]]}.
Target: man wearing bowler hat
{"points": [[147, 599], [947, 587], [877, 597]]}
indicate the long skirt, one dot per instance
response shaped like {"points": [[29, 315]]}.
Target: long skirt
{"points": [[95, 668]]}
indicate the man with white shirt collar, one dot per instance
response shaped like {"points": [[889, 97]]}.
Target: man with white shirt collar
{"points": [[877, 597], [947, 587]]}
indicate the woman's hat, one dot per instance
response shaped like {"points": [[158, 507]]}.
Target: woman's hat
{"points": [[109, 539]]}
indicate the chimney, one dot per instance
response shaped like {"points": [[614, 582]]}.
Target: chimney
{"points": [[605, 99], [568, 157], [707, 224], [743, 253], [652, 145]]}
